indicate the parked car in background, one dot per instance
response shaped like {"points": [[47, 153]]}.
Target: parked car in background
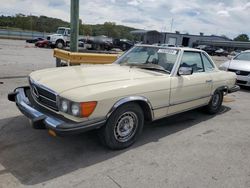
{"points": [[221, 52], [122, 44], [239, 64], [34, 40], [209, 49], [80, 43], [42, 44], [235, 53], [166, 45], [146, 83]]}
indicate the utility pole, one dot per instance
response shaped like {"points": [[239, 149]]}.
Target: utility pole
{"points": [[171, 27], [74, 25]]}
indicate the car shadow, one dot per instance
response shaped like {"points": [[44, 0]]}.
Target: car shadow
{"points": [[34, 157]]}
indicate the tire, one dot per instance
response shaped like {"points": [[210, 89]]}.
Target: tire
{"points": [[215, 103], [123, 127], [60, 44]]}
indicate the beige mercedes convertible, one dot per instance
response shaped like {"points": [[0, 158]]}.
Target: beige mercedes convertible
{"points": [[145, 84]]}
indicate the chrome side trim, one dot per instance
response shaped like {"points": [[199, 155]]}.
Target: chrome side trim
{"points": [[190, 100], [131, 99], [160, 107], [180, 102], [186, 110]]}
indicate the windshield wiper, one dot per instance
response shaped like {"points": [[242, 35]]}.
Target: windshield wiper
{"points": [[153, 67]]}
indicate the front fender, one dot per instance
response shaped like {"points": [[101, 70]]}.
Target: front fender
{"points": [[143, 102]]}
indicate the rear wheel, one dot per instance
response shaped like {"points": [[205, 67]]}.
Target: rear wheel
{"points": [[123, 126], [215, 103]]}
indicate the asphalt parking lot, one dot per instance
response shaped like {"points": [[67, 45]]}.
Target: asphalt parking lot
{"points": [[189, 150]]}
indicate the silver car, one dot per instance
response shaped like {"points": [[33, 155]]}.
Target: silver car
{"points": [[240, 64]]}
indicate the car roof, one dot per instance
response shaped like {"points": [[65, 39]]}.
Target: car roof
{"points": [[177, 48]]}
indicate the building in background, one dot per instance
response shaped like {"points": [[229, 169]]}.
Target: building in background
{"points": [[187, 40]]}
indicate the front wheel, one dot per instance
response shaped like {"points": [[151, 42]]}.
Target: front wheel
{"points": [[60, 44], [123, 127], [215, 103]]}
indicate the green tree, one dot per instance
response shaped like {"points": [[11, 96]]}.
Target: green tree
{"points": [[85, 30], [110, 29], [48, 24], [242, 37]]}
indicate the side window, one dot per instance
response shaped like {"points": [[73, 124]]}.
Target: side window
{"points": [[67, 32], [207, 63], [192, 59]]}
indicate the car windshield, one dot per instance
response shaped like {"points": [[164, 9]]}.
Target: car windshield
{"points": [[152, 58], [60, 31], [245, 56]]}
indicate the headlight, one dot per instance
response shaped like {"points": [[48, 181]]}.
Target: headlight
{"points": [[64, 106], [75, 109], [83, 109]]}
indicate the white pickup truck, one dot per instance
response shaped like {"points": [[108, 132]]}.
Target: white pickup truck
{"points": [[60, 39]]}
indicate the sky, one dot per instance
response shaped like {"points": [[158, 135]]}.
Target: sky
{"points": [[219, 17]]}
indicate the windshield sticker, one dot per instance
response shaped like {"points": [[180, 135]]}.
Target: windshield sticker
{"points": [[167, 51]]}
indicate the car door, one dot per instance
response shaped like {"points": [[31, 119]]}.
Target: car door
{"points": [[217, 78], [190, 91]]}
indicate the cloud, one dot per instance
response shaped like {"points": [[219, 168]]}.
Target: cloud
{"points": [[193, 16], [223, 13], [135, 2]]}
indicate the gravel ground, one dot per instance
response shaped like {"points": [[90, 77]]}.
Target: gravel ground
{"points": [[189, 150]]}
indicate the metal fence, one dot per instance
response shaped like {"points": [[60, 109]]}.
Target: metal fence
{"points": [[21, 34]]}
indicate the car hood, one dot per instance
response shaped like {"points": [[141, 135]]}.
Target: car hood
{"points": [[238, 65], [67, 78]]}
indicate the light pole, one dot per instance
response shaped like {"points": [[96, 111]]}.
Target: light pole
{"points": [[74, 25]]}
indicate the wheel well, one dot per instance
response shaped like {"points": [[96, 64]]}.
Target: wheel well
{"points": [[146, 110], [142, 102], [224, 89]]}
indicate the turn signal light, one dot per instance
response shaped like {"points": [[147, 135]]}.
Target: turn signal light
{"points": [[87, 108], [52, 133]]}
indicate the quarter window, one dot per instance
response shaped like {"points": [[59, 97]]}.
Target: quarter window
{"points": [[207, 63], [192, 59]]}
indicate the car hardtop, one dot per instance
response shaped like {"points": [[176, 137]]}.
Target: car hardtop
{"points": [[175, 48]]}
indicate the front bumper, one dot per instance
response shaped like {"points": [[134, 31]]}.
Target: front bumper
{"points": [[52, 121], [234, 89], [243, 80]]}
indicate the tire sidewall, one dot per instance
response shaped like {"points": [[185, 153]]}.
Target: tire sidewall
{"points": [[215, 109], [58, 43], [108, 129]]}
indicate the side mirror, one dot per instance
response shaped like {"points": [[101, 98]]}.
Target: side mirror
{"points": [[185, 71]]}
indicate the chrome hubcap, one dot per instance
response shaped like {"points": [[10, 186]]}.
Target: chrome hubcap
{"points": [[125, 127], [215, 100], [60, 45]]}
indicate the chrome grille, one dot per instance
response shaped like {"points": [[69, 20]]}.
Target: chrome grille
{"points": [[44, 95], [239, 72]]}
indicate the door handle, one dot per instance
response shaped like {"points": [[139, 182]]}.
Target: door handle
{"points": [[208, 81]]}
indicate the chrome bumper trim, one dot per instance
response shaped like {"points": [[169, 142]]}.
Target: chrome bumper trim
{"points": [[59, 125]]}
